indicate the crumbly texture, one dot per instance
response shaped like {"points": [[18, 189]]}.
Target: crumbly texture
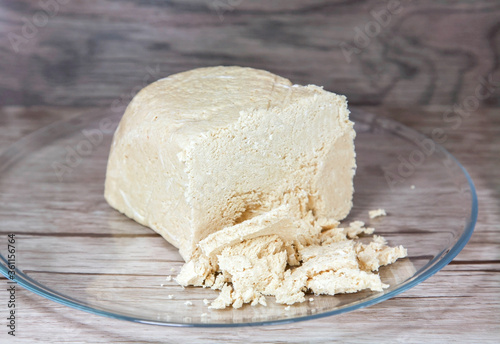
{"points": [[377, 213], [329, 260], [209, 148], [249, 176]]}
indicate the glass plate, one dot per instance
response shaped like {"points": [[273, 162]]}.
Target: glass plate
{"points": [[71, 247]]}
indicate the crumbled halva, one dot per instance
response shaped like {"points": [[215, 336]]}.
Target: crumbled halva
{"points": [[249, 176], [330, 262], [376, 213]]}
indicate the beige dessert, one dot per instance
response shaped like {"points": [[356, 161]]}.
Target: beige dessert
{"points": [[249, 176]]}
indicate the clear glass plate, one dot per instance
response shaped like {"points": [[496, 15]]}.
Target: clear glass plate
{"points": [[71, 247]]}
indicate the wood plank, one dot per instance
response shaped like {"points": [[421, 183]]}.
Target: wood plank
{"points": [[423, 315], [90, 54], [461, 303]]}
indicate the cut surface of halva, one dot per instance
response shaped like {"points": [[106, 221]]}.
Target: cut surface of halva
{"points": [[214, 148]]}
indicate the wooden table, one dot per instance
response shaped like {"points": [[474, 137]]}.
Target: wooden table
{"points": [[459, 304], [416, 64]]}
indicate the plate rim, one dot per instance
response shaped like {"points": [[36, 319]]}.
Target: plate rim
{"points": [[7, 158]]}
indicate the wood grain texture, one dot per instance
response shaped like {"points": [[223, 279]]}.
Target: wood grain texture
{"points": [[459, 304], [96, 53], [420, 66]]}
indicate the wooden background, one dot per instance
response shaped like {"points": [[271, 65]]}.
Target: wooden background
{"points": [[419, 66], [93, 52]]}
